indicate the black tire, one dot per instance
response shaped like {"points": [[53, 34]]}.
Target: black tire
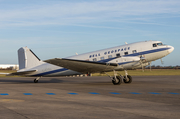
{"points": [[35, 81], [129, 80], [118, 82]]}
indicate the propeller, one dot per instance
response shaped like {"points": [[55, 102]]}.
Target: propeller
{"points": [[150, 66], [162, 62], [141, 61]]}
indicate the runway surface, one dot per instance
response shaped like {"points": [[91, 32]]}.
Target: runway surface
{"points": [[147, 97]]}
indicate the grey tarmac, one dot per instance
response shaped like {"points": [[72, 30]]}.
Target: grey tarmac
{"points": [[147, 97]]}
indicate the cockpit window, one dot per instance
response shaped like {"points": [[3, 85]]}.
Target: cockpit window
{"points": [[155, 45], [159, 44]]}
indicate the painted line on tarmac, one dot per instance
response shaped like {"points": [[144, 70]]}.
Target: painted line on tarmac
{"points": [[27, 93], [135, 93], [50, 93], [93, 93], [73, 93], [154, 93], [114, 93], [173, 93], [4, 94]]}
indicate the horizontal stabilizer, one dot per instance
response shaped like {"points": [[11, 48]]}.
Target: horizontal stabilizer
{"points": [[22, 72], [82, 66]]}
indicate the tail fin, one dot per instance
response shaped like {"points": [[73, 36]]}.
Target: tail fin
{"points": [[27, 59]]}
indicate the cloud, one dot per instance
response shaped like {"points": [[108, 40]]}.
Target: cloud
{"points": [[63, 13]]}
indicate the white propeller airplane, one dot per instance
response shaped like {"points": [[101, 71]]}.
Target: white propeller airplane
{"points": [[125, 57]]}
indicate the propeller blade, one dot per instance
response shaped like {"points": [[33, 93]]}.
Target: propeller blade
{"points": [[162, 61]]}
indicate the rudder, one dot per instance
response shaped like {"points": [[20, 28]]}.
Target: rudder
{"points": [[27, 59]]}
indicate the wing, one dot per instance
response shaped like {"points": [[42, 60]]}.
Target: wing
{"points": [[22, 72], [82, 66]]}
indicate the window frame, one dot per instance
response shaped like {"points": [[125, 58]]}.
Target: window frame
{"points": [[109, 56], [94, 59], [159, 44], [134, 51], [126, 53], [102, 58], [118, 55], [154, 45]]}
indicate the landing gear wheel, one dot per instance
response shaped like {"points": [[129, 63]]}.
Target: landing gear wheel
{"points": [[128, 80], [35, 81], [117, 81]]}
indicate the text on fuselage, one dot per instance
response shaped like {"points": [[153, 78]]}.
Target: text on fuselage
{"points": [[110, 52]]}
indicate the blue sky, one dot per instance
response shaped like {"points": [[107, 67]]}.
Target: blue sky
{"points": [[60, 28]]}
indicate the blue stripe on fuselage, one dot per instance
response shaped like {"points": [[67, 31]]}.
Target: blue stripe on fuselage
{"points": [[147, 52], [135, 54], [107, 60], [125, 63], [51, 72]]}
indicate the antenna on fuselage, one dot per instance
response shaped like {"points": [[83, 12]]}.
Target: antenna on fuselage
{"points": [[126, 43], [150, 66], [162, 62]]}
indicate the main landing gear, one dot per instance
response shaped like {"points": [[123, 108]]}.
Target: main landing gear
{"points": [[36, 80], [127, 78], [117, 79]]}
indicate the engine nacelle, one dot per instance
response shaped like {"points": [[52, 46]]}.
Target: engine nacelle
{"points": [[126, 62], [140, 65]]}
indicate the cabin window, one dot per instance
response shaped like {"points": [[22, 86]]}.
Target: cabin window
{"points": [[125, 53], [155, 45], [134, 51], [94, 59], [159, 44], [102, 58], [110, 56], [118, 55]]}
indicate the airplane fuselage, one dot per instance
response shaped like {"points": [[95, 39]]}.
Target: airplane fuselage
{"points": [[126, 56]]}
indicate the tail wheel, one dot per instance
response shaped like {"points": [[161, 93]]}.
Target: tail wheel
{"points": [[128, 79], [117, 81], [35, 81]]}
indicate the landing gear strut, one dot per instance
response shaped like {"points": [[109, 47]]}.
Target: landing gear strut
{"points": [[117, 80], [127, 78], [36, 80]]}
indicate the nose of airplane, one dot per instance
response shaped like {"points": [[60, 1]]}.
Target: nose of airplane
{"points": [[171, 49]]}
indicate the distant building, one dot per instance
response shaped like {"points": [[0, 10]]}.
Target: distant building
{"points": [[9, 66]]}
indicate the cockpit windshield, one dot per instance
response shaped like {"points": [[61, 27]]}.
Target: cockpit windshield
{"points": [[157, 44]]}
